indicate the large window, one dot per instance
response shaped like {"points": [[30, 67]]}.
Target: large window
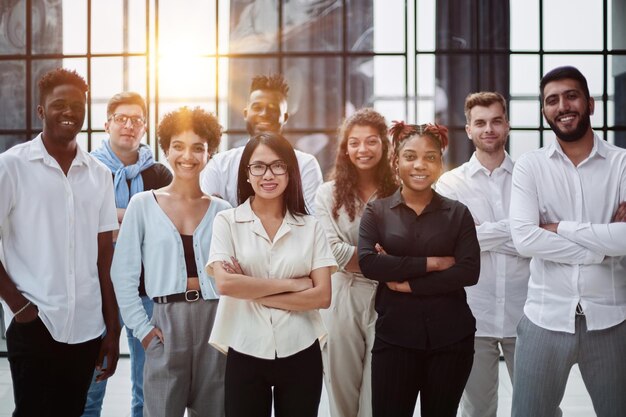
{"points": [[337, 55]]}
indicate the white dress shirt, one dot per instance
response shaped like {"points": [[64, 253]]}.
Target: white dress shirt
{"points": [[49, 225], [580, 263], [219, 177], [497, 301], [149, 237], [299, 247]]}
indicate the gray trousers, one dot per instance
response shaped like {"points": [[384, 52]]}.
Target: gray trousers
{"points": [[347, 355], [184, 372], [480, 398], [543, 359]]}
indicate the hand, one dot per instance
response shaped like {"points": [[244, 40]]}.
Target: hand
{"points": [[233, 266], [302, 284], [380, 249], [550, 227], [620, 214], [109, 348], [29, 314], [439, 263], [399, 286], [156, 332]]}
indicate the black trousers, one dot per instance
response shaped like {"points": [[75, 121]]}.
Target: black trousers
{"points": [[49, 378], [399, 374], [297, 382]]}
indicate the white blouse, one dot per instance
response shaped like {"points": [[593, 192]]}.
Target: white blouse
{"points": [[299, 247]]}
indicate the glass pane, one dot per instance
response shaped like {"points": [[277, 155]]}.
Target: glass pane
{"points": [[83, 141], [389, 77], [186, 28], [8, 141], [189, 81], [524, 113], [322, 145], [253, 26], [572, 25], [376, 25], [312, 25], [48, 33], [223, 26], [524, 25], [616, 30], [426, 18], [315, 93], [114, 29], [425, 75], [12, 28], [591, 66], [13, 95], [74, 30], [97, 138], [597, 118], [391, 109], [426, 112], [522, 141], [525, 75], [360, 85]]}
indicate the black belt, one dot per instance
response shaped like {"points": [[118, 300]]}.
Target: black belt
{"points": [[189, 296]]}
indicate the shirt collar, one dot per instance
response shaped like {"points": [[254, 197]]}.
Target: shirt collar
{"points": [[599, 148], [37, 150], [244, 213], [437, 203], [474, 166]]}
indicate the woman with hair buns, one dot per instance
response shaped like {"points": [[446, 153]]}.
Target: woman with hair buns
{"points": [[422, 249], [361, 174]]}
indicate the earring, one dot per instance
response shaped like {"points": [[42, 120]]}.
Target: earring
{"points": [[248, 180]]}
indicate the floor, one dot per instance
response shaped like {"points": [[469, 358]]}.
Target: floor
{"points": [[576, 402]]}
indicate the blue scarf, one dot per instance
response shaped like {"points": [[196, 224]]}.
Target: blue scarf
{"points": [[121, 173]]}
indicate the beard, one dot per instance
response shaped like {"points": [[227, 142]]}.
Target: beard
{"points": [[577, 133]]}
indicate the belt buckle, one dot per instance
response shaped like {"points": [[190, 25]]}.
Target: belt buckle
{"points": [[192, 295], [579, 310]]}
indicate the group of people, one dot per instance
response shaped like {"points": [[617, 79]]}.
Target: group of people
{"points": [[245, 282]]}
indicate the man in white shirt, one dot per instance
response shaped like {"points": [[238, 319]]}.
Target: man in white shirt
{"points": [[484, 185], [57, 214], [568, 213], [266, 110]]}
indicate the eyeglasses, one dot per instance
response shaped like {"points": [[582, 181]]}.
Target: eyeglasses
{"points": [[257, 169], [121, 120]]}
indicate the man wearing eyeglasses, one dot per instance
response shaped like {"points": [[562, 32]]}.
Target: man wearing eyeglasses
{"points": [[266, 111], [134, 169]]}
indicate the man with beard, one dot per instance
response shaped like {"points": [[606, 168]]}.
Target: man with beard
{"points": [[57, 214], [266, 110], [568, 213], [483, 184]]}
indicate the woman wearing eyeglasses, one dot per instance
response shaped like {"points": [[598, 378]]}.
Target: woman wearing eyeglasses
{"points": [[169, 231], [272, 265]]}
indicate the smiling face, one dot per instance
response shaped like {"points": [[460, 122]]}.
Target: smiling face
{"points": [[126, 137], [62, 113], [567, 110], [266, 112], [488, 128], [268, 186], [364, 147], [187, 155], [419, 163]]}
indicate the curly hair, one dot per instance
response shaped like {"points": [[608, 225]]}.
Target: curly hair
{"points": [[201, 122], [60, 76], [275, 82], [345, 173], [401, 132]]}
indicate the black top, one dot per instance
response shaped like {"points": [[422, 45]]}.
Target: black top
{"points": [[190, 256], [436, 313], [154, 177]]}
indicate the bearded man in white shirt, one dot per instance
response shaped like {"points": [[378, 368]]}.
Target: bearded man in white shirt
{"points": [[568, 213], [483, 184], [265, 111], [57, 214]]}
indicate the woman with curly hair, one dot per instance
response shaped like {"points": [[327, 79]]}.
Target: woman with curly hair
{"points": [[169, 231], [422, 250], [361, 174]]}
